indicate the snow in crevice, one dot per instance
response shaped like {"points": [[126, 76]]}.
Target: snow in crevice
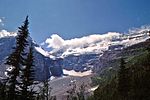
{"points": [[40, 50]]}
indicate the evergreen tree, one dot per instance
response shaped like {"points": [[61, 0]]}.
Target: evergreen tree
{"points": [[123, 81], [2, 90], [145, 77], [147, 71], [45, 91], [27, 77], [16, 59]]}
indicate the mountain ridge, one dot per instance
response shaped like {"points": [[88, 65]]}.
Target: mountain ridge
{"points": [[96, 43], [79, 57], [108, 49]]}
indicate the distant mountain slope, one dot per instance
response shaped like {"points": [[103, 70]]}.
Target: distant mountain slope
{"points": [[42, 62], [138, 67], [93, 52], [95, 43], [108, 64]]}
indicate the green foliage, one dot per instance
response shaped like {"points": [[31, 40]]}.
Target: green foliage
{"points": [[132, 82], [123, 80], [140, 73], [91, 97], [107, 91]]}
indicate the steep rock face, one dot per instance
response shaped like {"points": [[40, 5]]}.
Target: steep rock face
{"points": [[80, 63], [90, 61], [94, 55], [42, 63], [95, 62], [6, 45], [56, 67], [41, 66], [107, 53]]}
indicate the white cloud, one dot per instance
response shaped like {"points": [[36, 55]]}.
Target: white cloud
{"points": [[95, 43], [81, 45], [57, 42], [1, 21]]}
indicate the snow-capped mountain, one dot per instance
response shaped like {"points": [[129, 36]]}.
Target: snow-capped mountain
{"points": [[76, 55], [42, 62], [82, 54], [93, 43]]}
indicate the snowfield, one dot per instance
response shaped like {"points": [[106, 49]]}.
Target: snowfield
{"points": [[79, 74]]}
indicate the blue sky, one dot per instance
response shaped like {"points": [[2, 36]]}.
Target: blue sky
{"points": [[74, 18]]}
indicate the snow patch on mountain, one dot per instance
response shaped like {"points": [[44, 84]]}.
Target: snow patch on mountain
{"points": [[74, 73], [4, 33], [142, 29], [40, 50]]}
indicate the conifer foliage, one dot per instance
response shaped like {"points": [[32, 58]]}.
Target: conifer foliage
{"points": [[27, 77], [16, 61], [123, 83]]}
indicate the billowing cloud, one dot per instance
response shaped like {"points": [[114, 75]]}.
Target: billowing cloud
{"points": [[96, 43], [57, 42], [88, 40], [1, 21], [81, 45]]}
